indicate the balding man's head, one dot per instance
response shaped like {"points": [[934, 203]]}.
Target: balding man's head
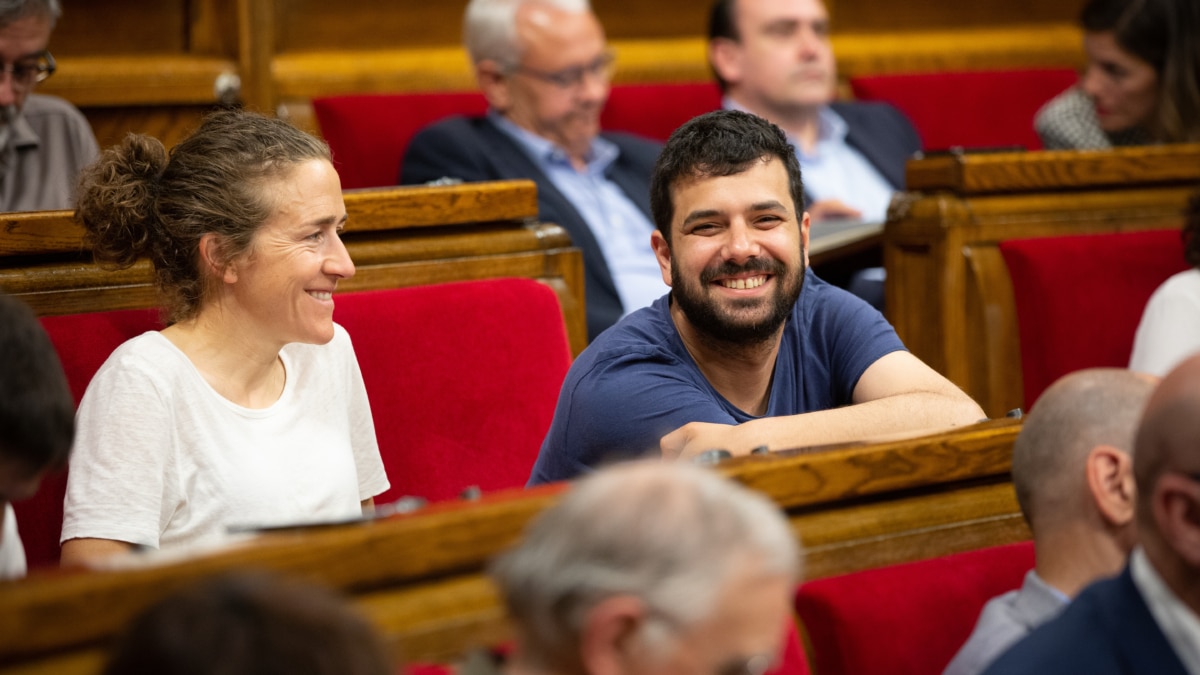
{"points": [[1168, 440], [684, 560], [1086, 409]]}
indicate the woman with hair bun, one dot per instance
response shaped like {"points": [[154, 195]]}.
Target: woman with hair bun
{"points": [[248, 409], [1142, 81]]}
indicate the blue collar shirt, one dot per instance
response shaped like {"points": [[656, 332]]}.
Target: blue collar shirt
{"points": [[621, 229]]}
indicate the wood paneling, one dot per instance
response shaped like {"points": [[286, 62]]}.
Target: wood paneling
{"points": [[418, 577], [397, 237]]}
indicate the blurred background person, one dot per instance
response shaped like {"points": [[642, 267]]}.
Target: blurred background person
{"points": [[1142, 81], [651, 567], [249, 408], [1072, 468], [37, 420], [44, 141], [249, 623]]}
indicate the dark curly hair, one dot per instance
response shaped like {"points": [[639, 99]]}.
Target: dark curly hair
{"points": [[137, 200], [720, 143]]}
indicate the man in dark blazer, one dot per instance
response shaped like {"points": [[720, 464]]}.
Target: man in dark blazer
{"points": [[774, 58], [544, 67], [1147, 619]]}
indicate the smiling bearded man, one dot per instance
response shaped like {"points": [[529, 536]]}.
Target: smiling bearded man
{"points": [[749, 348]]}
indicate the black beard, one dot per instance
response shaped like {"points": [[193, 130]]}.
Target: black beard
{"points": [[708, 319]]}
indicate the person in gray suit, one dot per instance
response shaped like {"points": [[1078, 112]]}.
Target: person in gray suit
{"points": [[1073, 473]]}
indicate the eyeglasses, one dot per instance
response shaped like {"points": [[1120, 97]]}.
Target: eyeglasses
{"points": [[31, 70], [570, 78]]}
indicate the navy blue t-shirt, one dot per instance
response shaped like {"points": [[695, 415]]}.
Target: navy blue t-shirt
{"points": [[636, 382]]}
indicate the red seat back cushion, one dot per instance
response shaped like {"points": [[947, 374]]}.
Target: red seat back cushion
{"points": [[83, 342], [1079, 299], [656, 110], [907, 619], [368, 133], [463, 379], [970, 109]]}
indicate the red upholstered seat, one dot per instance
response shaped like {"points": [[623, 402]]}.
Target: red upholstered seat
{"points": [[656, 110], [368, 133], [83, 342], [463, 379], [974, 109], [1079, 298], [907, 619]]}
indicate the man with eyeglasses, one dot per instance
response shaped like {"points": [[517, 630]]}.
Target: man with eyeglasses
{"points": [[44, 141], [544, 67], [650, 567], [1147, 618]]}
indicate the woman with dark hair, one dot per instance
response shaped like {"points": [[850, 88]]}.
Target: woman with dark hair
{"points": [[248, 409], [1170, 328], [1142, 81]]}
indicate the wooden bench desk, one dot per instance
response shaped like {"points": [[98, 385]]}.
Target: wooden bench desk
{"points": [[948, 292], [419, 576], [403, 236]]}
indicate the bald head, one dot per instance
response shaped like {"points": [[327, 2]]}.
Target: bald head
{"points": [[1079, 412], [1169, 436]]}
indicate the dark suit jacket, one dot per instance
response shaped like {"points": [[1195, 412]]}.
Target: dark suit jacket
{"points": [[1107, 630], [475, 149], [882, 134]]}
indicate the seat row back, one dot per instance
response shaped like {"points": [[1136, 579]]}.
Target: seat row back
{"points": [[370, 132]]}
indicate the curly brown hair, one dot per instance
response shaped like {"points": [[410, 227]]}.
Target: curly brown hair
{"points": [[136, 200]]}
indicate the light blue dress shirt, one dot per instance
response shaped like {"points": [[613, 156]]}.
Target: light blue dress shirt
{"points": [[835, 170], [621, 229]]}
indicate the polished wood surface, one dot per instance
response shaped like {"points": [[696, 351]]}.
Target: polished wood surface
{"points": [[275, 55], [948, 292], [404, 236], [419, 576]]}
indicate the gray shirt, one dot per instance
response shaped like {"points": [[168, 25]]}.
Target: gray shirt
{"points": [[48, 145], [1005, 619]]}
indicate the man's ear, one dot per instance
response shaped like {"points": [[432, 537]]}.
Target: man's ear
{"points": [[214, 259], [1109, 474], [725, 57], [662, 253], [608, 641], [494, 84], [1176, 505], [805, 224]]}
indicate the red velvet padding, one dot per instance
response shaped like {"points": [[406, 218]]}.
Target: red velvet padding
{"points": [[463, 379], [908, 619], [83, 342], [368, 133], [975, 109], [656, 110], [1079, 299]]}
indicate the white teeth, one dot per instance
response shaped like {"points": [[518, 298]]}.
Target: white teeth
{"points": [[321, 295], [743, 284]]}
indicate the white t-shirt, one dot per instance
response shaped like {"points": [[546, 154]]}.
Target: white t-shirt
{"points": [[12, 552], [1170, 328], [162, 460]]}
